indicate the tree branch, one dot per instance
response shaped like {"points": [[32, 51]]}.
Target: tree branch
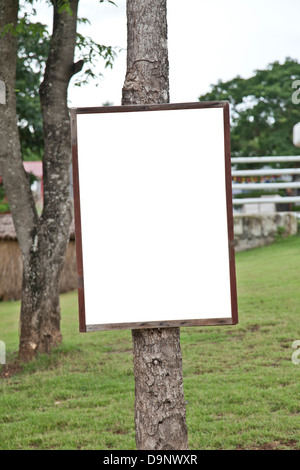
{"points": [[60, 68], [77, 67]]}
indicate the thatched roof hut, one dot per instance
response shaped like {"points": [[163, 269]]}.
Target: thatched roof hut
{"points": [[8, 232], [7, 228], [11, 265]]}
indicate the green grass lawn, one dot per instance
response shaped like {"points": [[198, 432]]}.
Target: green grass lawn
{"points": [[241, 386]]}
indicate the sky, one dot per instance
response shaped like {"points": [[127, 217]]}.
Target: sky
{"points": [[208, 40]]}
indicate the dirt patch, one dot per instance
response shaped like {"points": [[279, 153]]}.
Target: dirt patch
{"points": [[9, 370], [275, 445]]}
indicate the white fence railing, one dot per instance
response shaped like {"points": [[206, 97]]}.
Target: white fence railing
{"points": [[266, 185]]}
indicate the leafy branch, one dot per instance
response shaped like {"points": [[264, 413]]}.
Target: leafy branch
{"points": [[89, 51]]}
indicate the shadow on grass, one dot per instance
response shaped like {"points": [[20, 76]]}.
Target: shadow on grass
{"points": [[40, 363]]}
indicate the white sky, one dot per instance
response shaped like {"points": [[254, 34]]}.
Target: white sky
{"points": [[208, 40]]}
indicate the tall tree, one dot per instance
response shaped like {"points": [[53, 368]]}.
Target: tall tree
{"points": [[42, 240], [160, 415]]}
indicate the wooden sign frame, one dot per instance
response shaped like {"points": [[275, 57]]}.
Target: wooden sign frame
{"points": [[81, 139]]}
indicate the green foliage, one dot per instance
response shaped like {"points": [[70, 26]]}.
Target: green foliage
{"points": [[33, 48], [280, 232], [89, 51], [4, 205], [262, 112], [107, 1], [64, 5]]}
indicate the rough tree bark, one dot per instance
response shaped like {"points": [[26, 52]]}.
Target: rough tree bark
{"points": [[160, 415], [15, 181], [43, 240]]}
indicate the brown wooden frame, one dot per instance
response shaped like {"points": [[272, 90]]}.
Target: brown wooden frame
{"points": [[161, 324]]}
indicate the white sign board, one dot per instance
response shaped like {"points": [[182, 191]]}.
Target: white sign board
{"points": [[153, 216]]}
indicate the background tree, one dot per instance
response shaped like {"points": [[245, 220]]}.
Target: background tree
{"points": [[262, 111], [159, 401], [42, 239], [33, 49]]}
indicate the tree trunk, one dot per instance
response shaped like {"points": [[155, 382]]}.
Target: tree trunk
{"points": [[43, 240], [160, 415], [40, 311]]}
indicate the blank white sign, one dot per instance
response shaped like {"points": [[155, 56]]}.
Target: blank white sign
{"points": [[154, 221]]}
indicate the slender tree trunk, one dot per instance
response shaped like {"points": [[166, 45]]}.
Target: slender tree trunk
{"points": [[43, 240], [40, 311], [160, 415]]}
